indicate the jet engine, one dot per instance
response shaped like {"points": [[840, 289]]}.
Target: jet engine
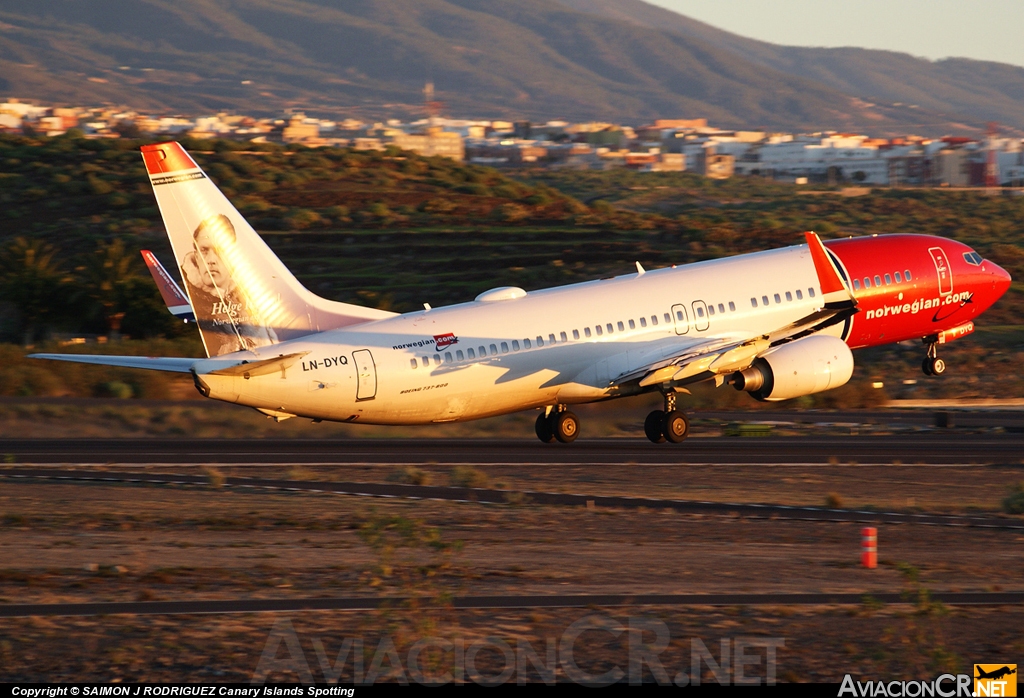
{"points": [[802, 367]]}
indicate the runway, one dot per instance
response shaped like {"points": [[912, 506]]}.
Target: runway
{"points": [[934, 448], [358, 603], [497, 496]]}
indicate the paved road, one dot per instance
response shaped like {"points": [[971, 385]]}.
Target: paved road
{"points": [[492, 496], [561, 601], [939, 448]]}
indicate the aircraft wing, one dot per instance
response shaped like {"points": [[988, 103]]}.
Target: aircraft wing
{"points": [[718, 356], [170, 291], [154, 363]]}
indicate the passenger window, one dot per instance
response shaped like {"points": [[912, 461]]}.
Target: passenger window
{"points": [[899, 278], [540, 341], [515, 345], [504, 347], [643, 322], [800, 294], [426, 361], [459, 355], [448, 357], [599, 330], [575, 334], [711, 309], [632, 325], [471, 353], [732, 307], [483, 352], [668, 318], [753, 302], [778, 298], [566, 339], [654, 319], [721, 308], [888, 280], [551, 337], [764, 300], [620, 326], [789, 296], [527, 344], [494, 350], [867, 282], [437, 359], [586, 332], [412, 362], [856, 286], [878, 280], [700, 311], [906, 274], [610, 328], [810, 293]]}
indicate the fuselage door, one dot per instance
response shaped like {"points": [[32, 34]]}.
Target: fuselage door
{"points": [[943, 269], [366, 389], [680, 318], [700, 316]]}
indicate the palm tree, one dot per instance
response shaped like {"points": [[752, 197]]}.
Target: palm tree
{"points": [[108, 276], [32, 280]]}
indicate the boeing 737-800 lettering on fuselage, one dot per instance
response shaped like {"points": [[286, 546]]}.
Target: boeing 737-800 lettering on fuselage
{"points": [[778, 324]]}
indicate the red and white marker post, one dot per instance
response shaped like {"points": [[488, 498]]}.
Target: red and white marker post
{"points": [[869, 547]]}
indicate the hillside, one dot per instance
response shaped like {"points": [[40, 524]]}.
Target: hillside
{"points": [[534, 59]]}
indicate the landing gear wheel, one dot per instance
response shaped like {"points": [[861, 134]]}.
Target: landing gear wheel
{"points": [[654, 426], [543, 427], [677, 426], [926, 366], [937, 366], [566, 426]]}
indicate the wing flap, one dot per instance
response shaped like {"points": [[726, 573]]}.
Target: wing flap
{"points": [[172, 364]]}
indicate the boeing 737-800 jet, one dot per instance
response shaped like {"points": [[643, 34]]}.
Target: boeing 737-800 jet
{"points": [[778, 324]]}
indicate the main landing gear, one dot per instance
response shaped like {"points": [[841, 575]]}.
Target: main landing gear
{"points": [[932, 365], [557, 423], [667, 425]]}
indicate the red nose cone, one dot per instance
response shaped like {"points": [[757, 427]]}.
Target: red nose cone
{"points": [[1000, 278]]}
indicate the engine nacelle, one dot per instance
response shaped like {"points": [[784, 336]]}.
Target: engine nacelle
{"points": [[803, 367]]}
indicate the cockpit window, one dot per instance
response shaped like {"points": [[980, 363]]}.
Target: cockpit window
{"points": [[972, 258]]}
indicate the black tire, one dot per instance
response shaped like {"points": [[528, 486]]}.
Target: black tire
{"points": [[677, 427], [566, 426], [937, 366], [926, 366], [654, 426], [543, 427]]}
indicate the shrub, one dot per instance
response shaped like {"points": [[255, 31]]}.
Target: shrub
{"points": [[1014, 504], [466, 476]]}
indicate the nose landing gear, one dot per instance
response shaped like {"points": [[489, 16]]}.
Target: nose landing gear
{"points": [[669, 424], [557, 423], [932, 365]]}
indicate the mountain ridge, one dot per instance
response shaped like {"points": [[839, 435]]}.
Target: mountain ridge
{"points": [[533, 59]]}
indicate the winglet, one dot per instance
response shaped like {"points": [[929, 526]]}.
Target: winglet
{"points": [[833, 289], [172, 294]]}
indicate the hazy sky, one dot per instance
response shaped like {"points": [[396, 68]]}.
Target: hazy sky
{"points": [[984, 29]]}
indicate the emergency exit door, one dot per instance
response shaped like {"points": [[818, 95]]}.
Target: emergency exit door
{"points": [[366, 373]]}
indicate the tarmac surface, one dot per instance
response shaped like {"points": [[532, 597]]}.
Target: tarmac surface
{"points": [[358, 603], [934, 448], [498, 496]]}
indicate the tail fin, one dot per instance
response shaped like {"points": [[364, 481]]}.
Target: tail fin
{"points": [[242, 295]]}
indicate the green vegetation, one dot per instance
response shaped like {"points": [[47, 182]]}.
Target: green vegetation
{"points": [[1014, 504]]}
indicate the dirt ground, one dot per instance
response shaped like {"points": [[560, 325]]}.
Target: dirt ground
{"points": [[106, 542]]}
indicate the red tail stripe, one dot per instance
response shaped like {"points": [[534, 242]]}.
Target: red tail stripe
{"points": [[162, 158]]}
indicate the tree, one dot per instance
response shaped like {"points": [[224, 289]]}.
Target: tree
{"points": [[108, 276], [33, 281]]}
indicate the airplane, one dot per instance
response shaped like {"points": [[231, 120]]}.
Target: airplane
{"points": [[994, 674], [778, 324]]}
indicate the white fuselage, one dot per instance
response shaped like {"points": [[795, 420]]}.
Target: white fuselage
{"points": [[540, 349]]}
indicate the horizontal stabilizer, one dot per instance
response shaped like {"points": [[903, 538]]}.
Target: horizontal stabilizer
{"points": [[260, 368], [154, 363]]}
